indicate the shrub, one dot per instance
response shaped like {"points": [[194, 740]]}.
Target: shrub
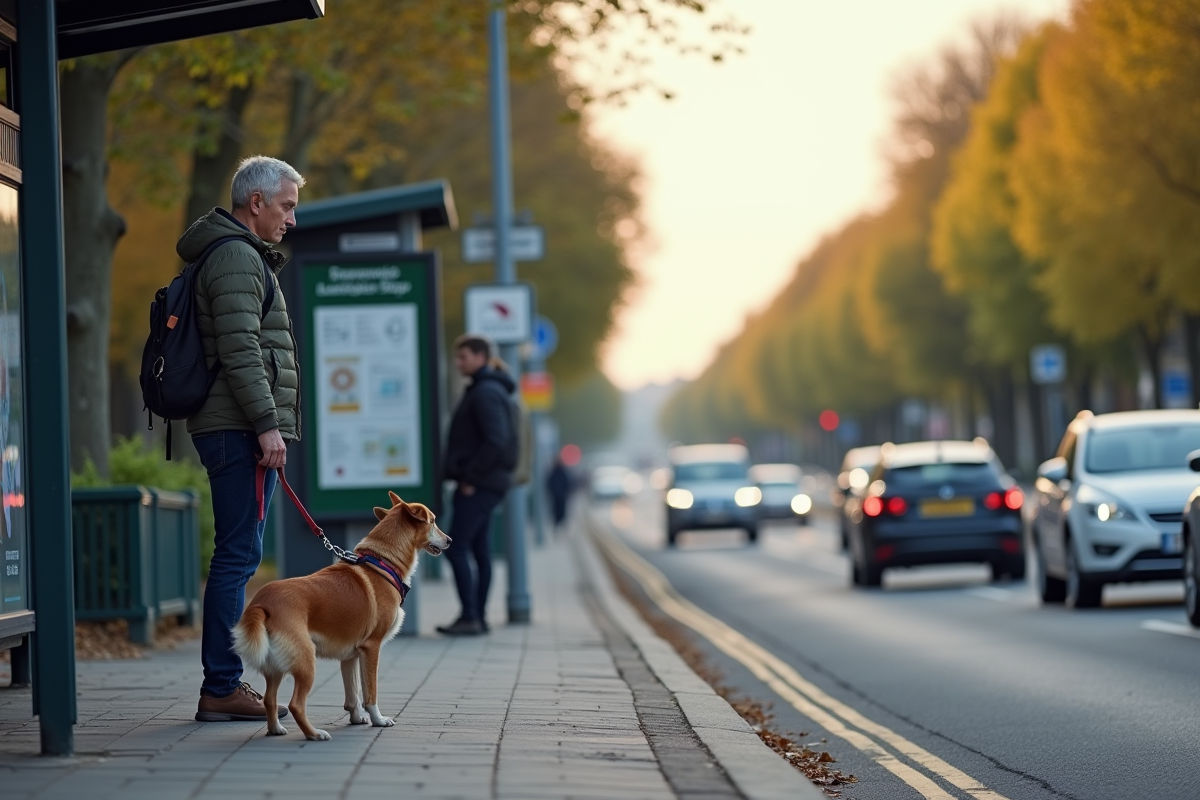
{"points": [[131, 461]]}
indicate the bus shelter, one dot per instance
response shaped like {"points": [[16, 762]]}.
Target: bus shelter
{"points": [[36, 585]]}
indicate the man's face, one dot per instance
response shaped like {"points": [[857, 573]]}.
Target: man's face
{"points": [[275, 218], [468, 362]]}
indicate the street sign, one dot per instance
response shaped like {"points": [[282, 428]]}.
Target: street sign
{"points": [[545, 339], [503, 312], [537, 390], [527, 242], [1047, 364], [1176, 388]]}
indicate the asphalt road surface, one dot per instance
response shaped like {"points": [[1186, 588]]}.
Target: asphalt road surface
{"points": [[940, 685]]}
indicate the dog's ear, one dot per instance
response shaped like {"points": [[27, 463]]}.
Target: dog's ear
{"points": [[419, 512], [395, 498], [380, 513]]}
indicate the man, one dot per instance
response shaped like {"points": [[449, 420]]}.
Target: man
{"points": [[253, 409], [481, 453]]}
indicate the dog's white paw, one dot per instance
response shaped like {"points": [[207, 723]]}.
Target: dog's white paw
{"points": [[278, 730], [383, 722], [320, 735], [359, 717]]}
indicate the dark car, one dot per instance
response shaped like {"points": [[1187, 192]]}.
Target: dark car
{"points": [[936, 503]]}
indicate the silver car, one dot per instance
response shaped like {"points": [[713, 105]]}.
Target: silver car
{"points": [[711, 488], [1109, 506]]}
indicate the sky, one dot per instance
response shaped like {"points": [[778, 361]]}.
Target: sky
{"points": [[758, 157]]}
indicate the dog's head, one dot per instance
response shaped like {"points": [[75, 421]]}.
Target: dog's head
{"points": [[405, 529]]}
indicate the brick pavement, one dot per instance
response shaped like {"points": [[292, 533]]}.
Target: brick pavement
{"points": [[529, 711]]}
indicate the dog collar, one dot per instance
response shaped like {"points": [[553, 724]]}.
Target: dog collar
{"points": [[389, 572]]}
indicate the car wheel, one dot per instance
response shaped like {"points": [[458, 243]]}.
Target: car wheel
{"points": [[872, 575], [1082, 592], [1191, 581], [1052, 590], [672, 535], [1010, 570], [752, 533]]}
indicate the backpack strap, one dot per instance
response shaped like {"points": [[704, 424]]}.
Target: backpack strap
{"points": [[268, 278]]}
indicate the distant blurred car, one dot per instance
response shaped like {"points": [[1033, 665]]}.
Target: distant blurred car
{"points": [[711, 488], [936, 503], [610, 482], [1110, 504], [1191, 548], [854, 476], [783, 495]]}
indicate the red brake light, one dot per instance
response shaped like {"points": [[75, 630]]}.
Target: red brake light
{"points": [[1014, 498], [872, 506], [896, 506], [993, 501]]}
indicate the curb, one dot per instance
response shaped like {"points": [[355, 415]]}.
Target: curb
{"points": [[755, 769]]}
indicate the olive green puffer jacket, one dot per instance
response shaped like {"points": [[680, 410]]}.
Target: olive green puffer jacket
{"points": [[258, 386]]}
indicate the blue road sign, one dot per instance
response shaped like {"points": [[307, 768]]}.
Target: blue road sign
{"points": [[545, 338], [1048, 364]]}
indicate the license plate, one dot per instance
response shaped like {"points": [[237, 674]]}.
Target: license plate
{"points": [[1172, 543], [962, 507]]}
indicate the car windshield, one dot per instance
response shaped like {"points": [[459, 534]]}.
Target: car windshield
{"points": [[1143, 448], [780, 484], [714, 471], [925, 474]]}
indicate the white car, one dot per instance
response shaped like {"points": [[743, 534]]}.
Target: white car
{"points": [[1109, 506], [782, 494]]}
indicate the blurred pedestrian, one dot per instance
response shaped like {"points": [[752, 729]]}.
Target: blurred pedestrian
{"points": [[558, 484], [482, 450], [252, 410]]}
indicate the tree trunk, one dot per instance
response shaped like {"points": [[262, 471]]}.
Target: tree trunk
{"points": [[1152, 351], [92, 228], [212, 168], [306, 108], [1191, 337]]}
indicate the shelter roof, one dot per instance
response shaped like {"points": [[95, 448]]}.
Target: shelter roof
{"points": [[433, 200]]}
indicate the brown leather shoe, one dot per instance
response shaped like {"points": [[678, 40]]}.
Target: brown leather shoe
{"points": [[242, 705]]}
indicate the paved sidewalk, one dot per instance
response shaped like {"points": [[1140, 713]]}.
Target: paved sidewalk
{"points": [[568, 706]]}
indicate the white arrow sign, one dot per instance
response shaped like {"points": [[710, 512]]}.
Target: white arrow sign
{"points": [[527, 242]]}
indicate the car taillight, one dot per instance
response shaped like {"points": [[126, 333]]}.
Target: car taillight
{"points": [[896, 506], [1014, 498], [872, 506], [993, 500]]}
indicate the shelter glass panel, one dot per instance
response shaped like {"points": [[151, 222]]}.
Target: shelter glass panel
{"points": [[14, 535]]}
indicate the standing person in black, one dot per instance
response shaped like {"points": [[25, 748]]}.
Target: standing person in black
{"points": [[481, 454], [558, 484]]}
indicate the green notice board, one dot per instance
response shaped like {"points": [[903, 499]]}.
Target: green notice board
{"points": [[370, 350]]}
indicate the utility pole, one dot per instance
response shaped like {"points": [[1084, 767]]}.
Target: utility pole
{"points": [[502, 214]]}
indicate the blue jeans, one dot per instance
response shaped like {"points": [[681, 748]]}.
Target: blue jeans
{"points": [[231, 458], [469, 531]]}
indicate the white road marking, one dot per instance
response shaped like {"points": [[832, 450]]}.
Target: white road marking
{"points": [[991, 593], [836, 717], [1162, 626]]}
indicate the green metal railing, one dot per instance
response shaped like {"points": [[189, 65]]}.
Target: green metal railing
{"points": [[137, 556]]}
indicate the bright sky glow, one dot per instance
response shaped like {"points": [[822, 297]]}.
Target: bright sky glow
{"points": [[758, 157]]}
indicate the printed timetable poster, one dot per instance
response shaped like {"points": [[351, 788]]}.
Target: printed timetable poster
{"points": [[370, 428], [369, 346]]}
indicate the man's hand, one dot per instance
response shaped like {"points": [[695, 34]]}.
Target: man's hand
{"points": [[274, 451], [466, 489]]}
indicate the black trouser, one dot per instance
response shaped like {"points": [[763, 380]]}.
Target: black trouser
{"points": [[469, 530]]}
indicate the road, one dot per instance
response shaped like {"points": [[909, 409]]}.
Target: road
{"points": [[940, 684]]}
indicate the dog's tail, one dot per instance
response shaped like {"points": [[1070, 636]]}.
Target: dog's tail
{"points": [[250, 639]]}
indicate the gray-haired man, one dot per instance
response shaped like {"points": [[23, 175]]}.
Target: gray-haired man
{"points": [[253, 408]]}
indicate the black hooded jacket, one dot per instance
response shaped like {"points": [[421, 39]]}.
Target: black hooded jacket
{"points": [[481, 449]]}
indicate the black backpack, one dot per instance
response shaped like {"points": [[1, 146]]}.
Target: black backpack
{"points": [[175, 375]]}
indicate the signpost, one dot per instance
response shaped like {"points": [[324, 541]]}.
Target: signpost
{"points": [[528, 243], [1047, 364], [370, 384], [537, 390], [501, 312], [544, 341]]}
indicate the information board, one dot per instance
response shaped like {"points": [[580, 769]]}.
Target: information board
{"points": [[370, 381]]}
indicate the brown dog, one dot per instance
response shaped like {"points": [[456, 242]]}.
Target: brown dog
{"points": [[345, 611]]}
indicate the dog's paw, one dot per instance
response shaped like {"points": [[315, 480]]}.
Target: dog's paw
{"points": [[320, 735], [383, 722], [278, 730], [359, 717]]}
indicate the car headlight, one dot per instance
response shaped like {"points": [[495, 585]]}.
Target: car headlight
{"points": [[801, 504], [1109, 512], [680, 498], [748, 496]]}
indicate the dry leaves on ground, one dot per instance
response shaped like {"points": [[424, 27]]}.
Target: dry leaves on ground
{"points": [[98, 641]]}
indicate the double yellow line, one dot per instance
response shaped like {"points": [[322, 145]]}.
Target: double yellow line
{"points": [[839, 719]]}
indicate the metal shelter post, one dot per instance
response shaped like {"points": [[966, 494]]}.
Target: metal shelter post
{"points": [[43, 321], [502, 214]]}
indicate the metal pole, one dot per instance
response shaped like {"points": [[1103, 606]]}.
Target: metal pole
{"points": [[410, 242], [536, 482], [502, 205], [45, 350]]}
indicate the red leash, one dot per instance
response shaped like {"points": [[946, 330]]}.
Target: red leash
{"points": [[260, 482]]}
